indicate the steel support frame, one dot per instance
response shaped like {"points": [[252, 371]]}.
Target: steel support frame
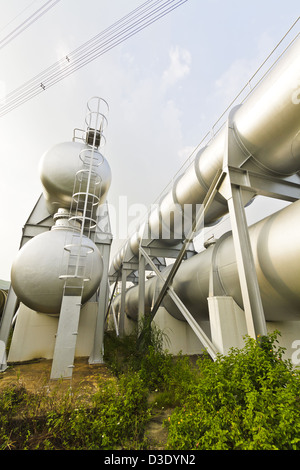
{"points": [[110, 305], [96, 356], [235, 184], [131, 265], [239, 181], [238, 186], [127, 268], [38, 222], [6, 322], [142, 285], [166, 287], [121, 325], [253, 308], [66, 338], [196, 225], [187, 315], [65, 343]]}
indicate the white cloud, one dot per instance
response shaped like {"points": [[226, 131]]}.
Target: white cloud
{"points": [[179, 67], [236, 77], [233, 80], [187, 154]]}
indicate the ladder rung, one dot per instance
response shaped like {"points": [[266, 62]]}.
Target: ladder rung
{"points": [[69, 247], [74, 276], [81, 193]]}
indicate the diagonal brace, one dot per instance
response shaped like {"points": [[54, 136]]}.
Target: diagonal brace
{"points": [[211, 349], [214, 187]]}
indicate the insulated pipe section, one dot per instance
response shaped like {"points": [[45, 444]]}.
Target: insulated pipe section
{"points": [[275, 243], [267, 129]]}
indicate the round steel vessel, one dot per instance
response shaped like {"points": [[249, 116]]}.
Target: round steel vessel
{"points": [[58, 169], [39, 270]]}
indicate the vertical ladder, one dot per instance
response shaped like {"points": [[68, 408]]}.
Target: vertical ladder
{"points": [[82, 222]]}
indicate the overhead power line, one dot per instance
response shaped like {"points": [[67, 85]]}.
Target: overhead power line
{"points": [[17, 16], [28, 22], [132, 23]]}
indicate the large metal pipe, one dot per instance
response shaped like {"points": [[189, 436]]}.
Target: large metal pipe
{"points": [[275, 243], [267, 128]]}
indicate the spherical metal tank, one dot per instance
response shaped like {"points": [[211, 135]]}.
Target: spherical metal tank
{"points": [[36, 271], [58, 168]]}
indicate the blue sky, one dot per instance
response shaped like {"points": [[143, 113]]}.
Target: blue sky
{"points": [[166, 86]]}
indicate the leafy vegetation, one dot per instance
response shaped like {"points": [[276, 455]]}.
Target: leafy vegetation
{"points": [[248, 399]]}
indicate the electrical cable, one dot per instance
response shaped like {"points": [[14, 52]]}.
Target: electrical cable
{"points": [[61, 66], [40, 77], [132, 23], [17, 16], [211, 133], [28, 22]]}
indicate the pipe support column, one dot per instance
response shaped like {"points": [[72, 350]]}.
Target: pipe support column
{"points": [[141, 304], [253, 307], [233, 193], [96, 356]]}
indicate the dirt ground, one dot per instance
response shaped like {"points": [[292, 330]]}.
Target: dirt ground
{"points": [[35, 375]]}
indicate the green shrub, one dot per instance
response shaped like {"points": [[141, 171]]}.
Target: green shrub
{"points": [[20, 417], [143, 352], [248, 399], [128, 353], [120, 354], [115, 418]]}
